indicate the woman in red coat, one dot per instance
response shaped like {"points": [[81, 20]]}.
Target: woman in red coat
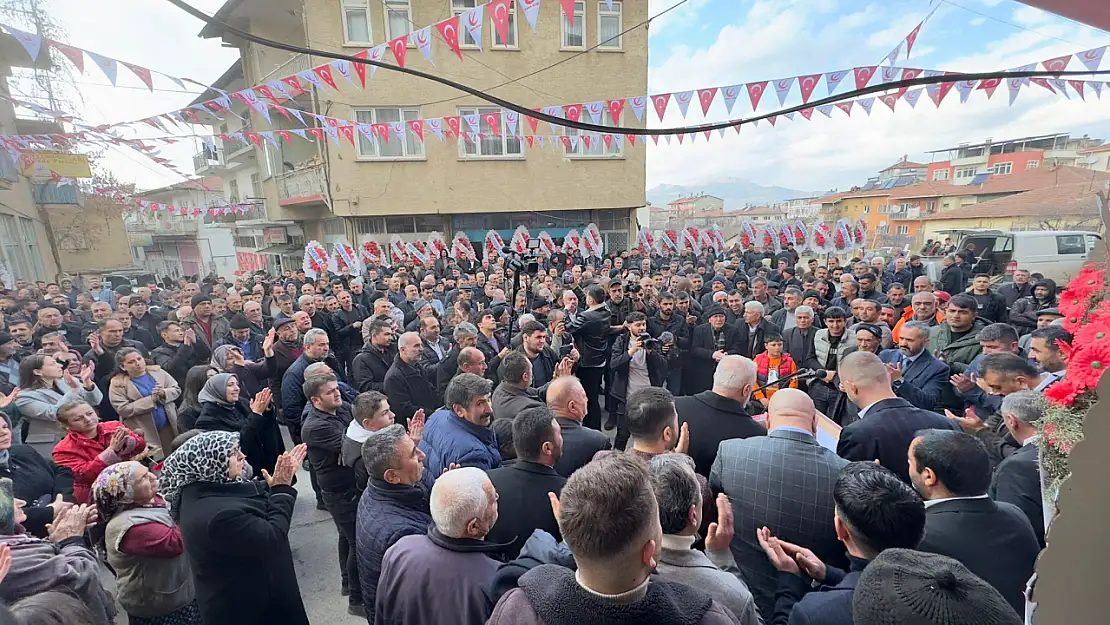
{"points": [[90, 446]]}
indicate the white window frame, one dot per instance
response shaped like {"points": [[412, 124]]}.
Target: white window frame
{"points": [[397, 6], [598, 151], [902, 229], [579, 18], [941, 174], [506, 143], [408, 153], [356, 5], [964, 172], [997, 168], [462, 6], [1033, 164], [617, 11], [514, 40]]}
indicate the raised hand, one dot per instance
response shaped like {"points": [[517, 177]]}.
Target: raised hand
{"points": [[119, 440], [86, 374], [261, 402], [564, 367], [683, 446], [807, 561], [159, 392], [271, 336], [72, 523], [190, 336], [719, 535], [416, 426], [94, 343], [286, 467], [451, 467]]}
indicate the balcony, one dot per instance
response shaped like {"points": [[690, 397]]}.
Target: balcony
{"points": [[255, 215], [177, 227], [207, 162], [303, 187], [970, 160], [295, 65]]}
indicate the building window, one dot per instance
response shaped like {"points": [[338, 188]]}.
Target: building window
{"points": [[866, 209], [395, 149], [903, 229], [398, 18], [884, 208], [511, 43], [965, 172], [356, 22], [1032, 164], [256, 187], [574, 35], [334, 226], [488, 145], [458, 7], [429, 223], [399, 225], [609, 26], [597, 147], [1002, 169], [940, 174], [931, 207], [273, 160], [369, 225], [233, 191]]}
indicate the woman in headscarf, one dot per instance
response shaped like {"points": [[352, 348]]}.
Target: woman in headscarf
{"points": [[253, 376], [236, 530], [223, 409], [1023, 314], [153, 581], [190, 400], [45, 385], [144, 396], [62, 563]]}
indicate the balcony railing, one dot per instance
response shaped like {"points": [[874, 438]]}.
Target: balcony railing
{"points": [[164, 227], [303, 186], [295, 65], [206, 161]]}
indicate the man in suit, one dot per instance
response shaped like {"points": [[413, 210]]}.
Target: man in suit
{"points": [[875, 511], [784, 480], [720, 414], [590, 329], [522, 487], [1017, 479], [952, 471], [783, 319], [567, 400], [915, 374], [515, 393], [887, 423], [798, 341], [710, 343], [754, 330], [435, 347]]}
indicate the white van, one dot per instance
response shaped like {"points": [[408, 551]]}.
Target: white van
{"points": [[1058, 255]]}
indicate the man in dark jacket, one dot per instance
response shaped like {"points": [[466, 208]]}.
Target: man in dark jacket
{"points": [[1017, 479], [668, 319], [244, 339], [590, 329], [515, 393], [141, 317], [633, 365], [721, 413], [435, 347], [1019, 288], [316, 349], [567, 400], [460, 433], [104, 344], [798, 341], [394, 504], [287, 349], [322, 432], [951, 277], [523, 486], [369, 366], [406, 385], [887, 423], [710, 343], [992, 306], [179, 350], [347, 328], [493, 344], [754, 329], [874, 511], [952, 472]]}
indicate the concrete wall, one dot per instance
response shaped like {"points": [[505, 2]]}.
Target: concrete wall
{"points": [[33, 259], [90, 237]]}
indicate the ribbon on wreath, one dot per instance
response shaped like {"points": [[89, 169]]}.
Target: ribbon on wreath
{"points": [[747, 235], [372, 253], [670, 240], [436, 244], [801, 236], [345, 256], [495, 245], [520, 240], [315, 259], [547, 244], [462, 248], [397, 249], [591, 239], [417, 251], [572, 243], [690, 240], [644, 240], [859, 233]]}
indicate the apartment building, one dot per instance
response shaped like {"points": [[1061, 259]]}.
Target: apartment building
{"points": [[690, 206], [331, 191], [973, 163]]}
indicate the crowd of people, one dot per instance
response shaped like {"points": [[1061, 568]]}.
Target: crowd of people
{"points": [[625, 439]]}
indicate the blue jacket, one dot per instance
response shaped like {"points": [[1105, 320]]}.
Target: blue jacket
{"points": [[923, 381], [386, 513], [449, 439], [797, 603], [292, 392]]}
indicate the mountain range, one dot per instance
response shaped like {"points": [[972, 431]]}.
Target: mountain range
{"points": [[735, 192]]}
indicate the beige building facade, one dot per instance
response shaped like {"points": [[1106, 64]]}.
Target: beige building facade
{"points": [[373, 190]]}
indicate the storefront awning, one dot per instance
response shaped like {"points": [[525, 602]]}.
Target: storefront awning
{"points": [[281, 250]]}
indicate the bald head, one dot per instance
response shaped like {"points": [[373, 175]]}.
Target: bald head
{"points": [[792, 408], [865, 379], [567, 398], [472, 360], [734, 378], [408, 339], [922, 284]]}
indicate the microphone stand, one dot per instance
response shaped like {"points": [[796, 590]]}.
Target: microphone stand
{"points": [[801, 373]]}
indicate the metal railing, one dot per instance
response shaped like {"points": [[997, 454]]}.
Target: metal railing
{"points": [[295, 65], [304, 183], [164, 227], [204, 162]]}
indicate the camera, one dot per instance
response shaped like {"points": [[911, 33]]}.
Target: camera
{"points": [[518, 262], [648, 341]]}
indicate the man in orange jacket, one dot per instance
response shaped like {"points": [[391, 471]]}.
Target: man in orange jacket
{"points": [[923, 308]]}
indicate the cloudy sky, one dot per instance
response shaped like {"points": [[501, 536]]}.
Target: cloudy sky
{"points": [[701, 43]]}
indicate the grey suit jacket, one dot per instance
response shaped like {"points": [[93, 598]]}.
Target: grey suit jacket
{"points": [[783, 481], [713, 573]]}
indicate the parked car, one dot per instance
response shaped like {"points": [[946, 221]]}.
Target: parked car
{"points": [[1058, 255]]}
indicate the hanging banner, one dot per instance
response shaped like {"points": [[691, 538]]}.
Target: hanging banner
{"points": [[38, 164]]}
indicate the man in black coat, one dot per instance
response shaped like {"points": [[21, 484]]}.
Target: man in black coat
{"points": [[434, 347], [798, 341], [347, 328], [994, 540], [522, 487], [668, 319], [590, 329], [406, 386], [754, 329], [372, 362], [710, 343], [916, 375], [887, 423], [719, 414], [180, 350], [1017, 479], [567, 400]]}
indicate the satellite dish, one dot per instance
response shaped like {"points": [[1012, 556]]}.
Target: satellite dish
{"points": [[1092, 160]]}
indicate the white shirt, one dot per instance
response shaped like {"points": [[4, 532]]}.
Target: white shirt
{"points": [[933, 502], [864, 410], [1031, 440]]}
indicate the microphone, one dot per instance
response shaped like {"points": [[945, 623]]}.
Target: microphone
{"points": [[807, 374]]}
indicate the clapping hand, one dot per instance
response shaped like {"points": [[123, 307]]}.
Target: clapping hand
{"points": [[159, 392], [286, 467], [564, 367], [806, 560], [190, 336], [268, 344], [69, 524], [8, 399], [970, 425], [86, 374], [94, 343], [261, 402], [119, 439], [719, 535], [416, 426], [683, 446], [775, 553], [895, 372]]}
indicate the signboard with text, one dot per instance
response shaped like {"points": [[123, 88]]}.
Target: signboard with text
{"points": [[41, 164]]}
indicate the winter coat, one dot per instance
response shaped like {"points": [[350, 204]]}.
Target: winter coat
{"points": [[87, 457], [952, 280], [39, 408], [386, 513], [38, 481], [590, 330], [450, 439], [237, 539], [1023, 314], [957, 355], [259, 436], [369, 367], [620, 361], [292, 392], [178, 359], [409, 391], [137, 411], [221, 327], [68, 566], [106, 368]]}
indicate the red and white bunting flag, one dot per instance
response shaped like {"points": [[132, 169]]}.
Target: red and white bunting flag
{"points": [[573, 112], [680, 137], [615, 108], [533, 123], [449, 30], [910, 74], [608, 140], [499, 14], [1041, 82], [631, 140], [989, 85], [568, 10], [317, 132], [705, 97], [755, 92], [453, 123], [889, 99], [1092, 58], [846, 107], [912, 37], [143, 74], [400, 47], [324, 72], [294, 84], [1057, 64], [655, 138], [493, 120], [707, 133], [74, 55], [266, 92], [807, 113], [660, 103], [417, 128], [530, 140], [771, 120], [284, 134], [566, 142], [360, 68], [587, 140], [863, 75], [1078, 86], [807, 84]]}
